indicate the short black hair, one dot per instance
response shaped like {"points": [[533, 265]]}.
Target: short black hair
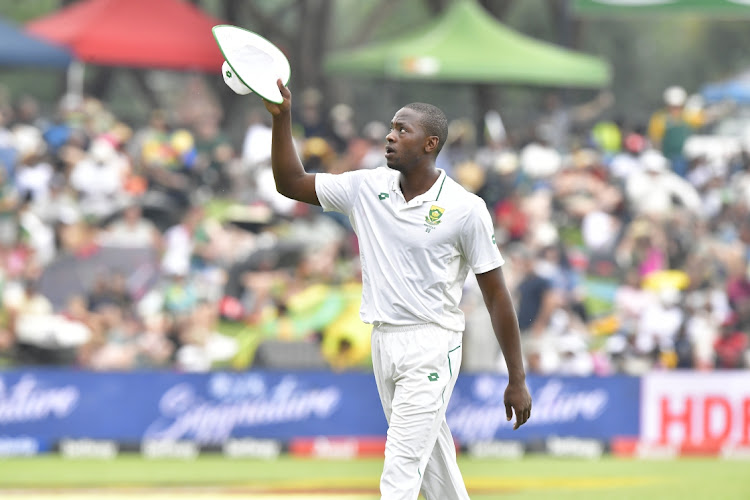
{"points": [[433, 121]]}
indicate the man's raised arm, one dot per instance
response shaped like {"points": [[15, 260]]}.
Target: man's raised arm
{"points": [[291, 179]]}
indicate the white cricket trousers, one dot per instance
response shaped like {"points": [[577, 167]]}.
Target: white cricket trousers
{"points": [[415, 368]]}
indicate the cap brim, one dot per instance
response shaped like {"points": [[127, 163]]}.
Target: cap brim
{"points": [[255, 61]]}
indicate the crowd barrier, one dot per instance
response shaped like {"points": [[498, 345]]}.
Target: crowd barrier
{"points": [[264, 413]]}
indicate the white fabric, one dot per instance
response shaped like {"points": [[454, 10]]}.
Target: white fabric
{"points": [[51, 331], [415, 369], [34, 179], [624, 164], [256, 147], [658, 326], [653, 194], [124, 235], [258, 61], [413, 268], [178, 251], [599, 230]]}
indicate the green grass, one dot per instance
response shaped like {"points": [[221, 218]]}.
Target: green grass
{"points": [[530, 478]]}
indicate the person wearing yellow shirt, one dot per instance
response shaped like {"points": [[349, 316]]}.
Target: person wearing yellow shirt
{"points": [[670, 127]]}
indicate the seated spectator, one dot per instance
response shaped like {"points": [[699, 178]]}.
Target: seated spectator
{"points": [[99, 179], [132, 230], [203, 347], [731, 345], [657, 192]]}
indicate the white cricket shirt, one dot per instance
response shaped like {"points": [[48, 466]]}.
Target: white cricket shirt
{"points": [[416, 255]]}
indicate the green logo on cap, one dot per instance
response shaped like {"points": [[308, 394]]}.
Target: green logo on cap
{"points": [[229, 74]]}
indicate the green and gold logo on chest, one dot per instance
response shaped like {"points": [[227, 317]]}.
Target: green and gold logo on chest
{"points": [[433, 216]]}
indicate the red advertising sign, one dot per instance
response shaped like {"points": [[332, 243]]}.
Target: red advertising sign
{"points": [[696, 410]]}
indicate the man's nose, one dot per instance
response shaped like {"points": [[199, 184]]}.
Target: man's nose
{"points": [[390, 137]]}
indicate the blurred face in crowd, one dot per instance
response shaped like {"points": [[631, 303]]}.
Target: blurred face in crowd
{"points": [[632, 278], [207, 128], [132, 214], [28, 109], [158, 120]]}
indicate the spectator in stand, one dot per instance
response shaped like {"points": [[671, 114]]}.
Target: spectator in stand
{"points": [[628, 160], [659, 323], [669, 128], [536, 298], [35, 235], [155, 347], [373, 133], [311, 115], [99, 179], [8, 152], [8, 207], [684, 350], [731, 346], [132, 230], [33, 172], [214, 152], [643, 247], [181, 242], [202, 346], [657, 192], [342, 127], [256, 145], [559, 121]]}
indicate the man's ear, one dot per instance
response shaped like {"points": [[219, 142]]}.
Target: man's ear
{"points": [[431, 143]]}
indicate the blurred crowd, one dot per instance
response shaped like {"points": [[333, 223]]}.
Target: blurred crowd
{"points": [[165, 244]]}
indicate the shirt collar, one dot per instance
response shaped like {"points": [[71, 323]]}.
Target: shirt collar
{"points": [[432, 194]]}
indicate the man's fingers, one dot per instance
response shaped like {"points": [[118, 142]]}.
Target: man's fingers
{"points": [[508, 411], [521, 417], [282, 88]]}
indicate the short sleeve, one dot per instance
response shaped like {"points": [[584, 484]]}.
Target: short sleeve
{"points": [[477, 240], [338, 192]]}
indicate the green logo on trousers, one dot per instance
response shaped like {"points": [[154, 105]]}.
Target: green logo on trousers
{"points": [[433, 377]]}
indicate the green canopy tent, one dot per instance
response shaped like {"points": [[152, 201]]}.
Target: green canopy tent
{"points": [[730, 9], [467, 45]]}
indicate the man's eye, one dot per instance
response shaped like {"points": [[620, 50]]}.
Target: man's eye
{"points": [[402, 129]]}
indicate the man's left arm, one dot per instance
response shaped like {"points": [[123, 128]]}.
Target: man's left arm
{"points": [[505, 325]]}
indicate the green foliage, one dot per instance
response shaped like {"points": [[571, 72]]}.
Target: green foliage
{"points": [[25, 10]]}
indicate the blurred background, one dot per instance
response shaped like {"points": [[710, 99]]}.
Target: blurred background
{"points": [[148, 267]]}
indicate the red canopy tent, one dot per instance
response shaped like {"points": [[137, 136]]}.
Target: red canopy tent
{"points": [[157, 34]]}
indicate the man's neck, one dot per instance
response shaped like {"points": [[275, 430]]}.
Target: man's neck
{"points": [[418, 181]]}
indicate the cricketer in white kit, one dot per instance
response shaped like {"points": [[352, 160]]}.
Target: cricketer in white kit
{"points": [[420, 233]]}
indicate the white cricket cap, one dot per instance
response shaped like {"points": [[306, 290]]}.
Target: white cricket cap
{"points": [[233, 81], [675, 96], [259, 62]]}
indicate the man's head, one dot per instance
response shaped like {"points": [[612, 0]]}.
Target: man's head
{"points": [[417, 130], [674, 99], [433, 121]]}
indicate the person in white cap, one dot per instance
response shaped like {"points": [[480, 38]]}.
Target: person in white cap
{"points": [[670, 127], [420, 234]]}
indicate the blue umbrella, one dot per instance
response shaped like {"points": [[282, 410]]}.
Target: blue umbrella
{"points": [[18, 48], [734, 89]]}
